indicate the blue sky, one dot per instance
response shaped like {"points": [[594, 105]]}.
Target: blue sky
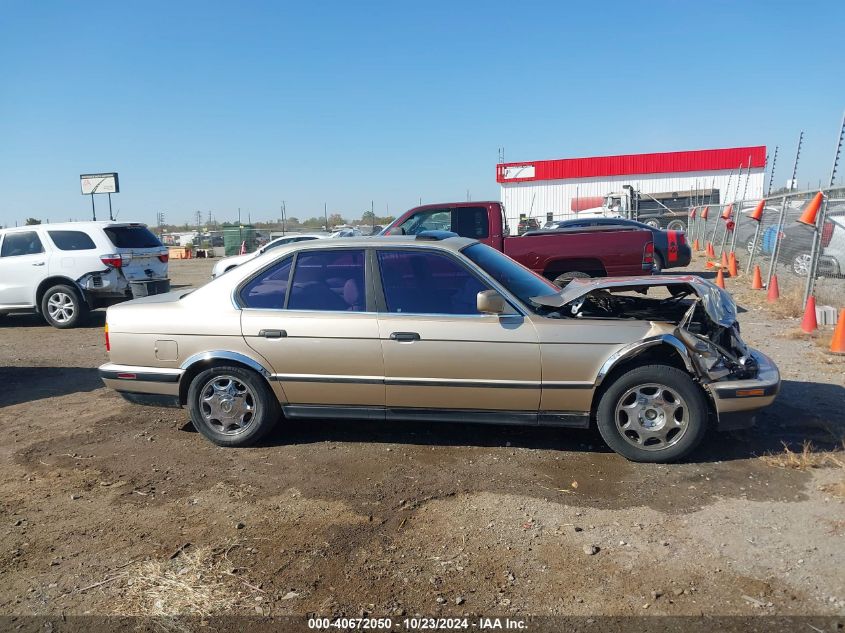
{"points": [[217, 105]]}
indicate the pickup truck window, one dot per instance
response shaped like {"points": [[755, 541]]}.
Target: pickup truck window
{"points": [[24, 243], [465, 221], [520, 281]]}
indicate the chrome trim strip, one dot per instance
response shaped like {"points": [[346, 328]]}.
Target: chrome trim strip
{"points": [[146, 374], [634, 348], [226, 355], [329, 378], [431, 382]]}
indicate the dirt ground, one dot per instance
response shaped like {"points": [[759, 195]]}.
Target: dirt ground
{"points": [[112, 508]]}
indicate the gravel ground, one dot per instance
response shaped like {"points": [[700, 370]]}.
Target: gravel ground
{"points": [[339, 518]]}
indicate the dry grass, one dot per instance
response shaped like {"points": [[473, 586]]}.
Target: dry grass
{"points": [[789, 305], [805, 459], [835, 489], [200, 582]]}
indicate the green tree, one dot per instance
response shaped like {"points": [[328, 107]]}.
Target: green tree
{"points": [[32, 221]]}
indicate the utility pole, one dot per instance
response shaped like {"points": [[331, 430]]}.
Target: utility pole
{"points": [[284, 218], [326, 215]]}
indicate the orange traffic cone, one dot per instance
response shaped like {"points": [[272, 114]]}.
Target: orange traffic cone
{"points": [[732, 264], [837, 345], [695, 245], [808, 323], [774, 291], [720, 279], [710, 251], [757, 282], [724, 260]]}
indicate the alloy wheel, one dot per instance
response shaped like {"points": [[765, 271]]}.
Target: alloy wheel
{"points": [[227, 404], [651, 416], [61, 307], [801, 264]]}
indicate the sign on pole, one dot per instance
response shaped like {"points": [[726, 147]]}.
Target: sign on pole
{"points": [[99, 183]]}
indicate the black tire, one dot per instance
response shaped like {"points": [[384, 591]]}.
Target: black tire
{"points": [[679, 443], [653, 223], [62, 307], [561, 281], [658, 263], [266, 411], [676, 225]]}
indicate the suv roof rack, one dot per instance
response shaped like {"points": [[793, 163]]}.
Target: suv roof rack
{"points": [[435, 236]]}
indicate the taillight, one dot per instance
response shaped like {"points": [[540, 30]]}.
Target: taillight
{"points": [[108, 343], [114, 261], [827, 233], [648, 256], [163, 257]]}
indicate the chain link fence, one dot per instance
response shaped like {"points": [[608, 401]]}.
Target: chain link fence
{"points": [[798, 237]]}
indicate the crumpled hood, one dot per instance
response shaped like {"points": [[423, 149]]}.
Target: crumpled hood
{"points": [[717, 303]]}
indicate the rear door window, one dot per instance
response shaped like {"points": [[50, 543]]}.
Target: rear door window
{"points": [[471, 222], [268, 290], [71, 240], [22, 243], [330, 280], [132, 237]]}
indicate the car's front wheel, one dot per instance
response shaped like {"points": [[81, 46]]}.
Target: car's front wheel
{"points": [[63, 307], [654, 413], [232, 406]]}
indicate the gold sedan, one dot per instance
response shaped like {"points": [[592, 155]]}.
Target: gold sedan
{"points": [[438, 327]]}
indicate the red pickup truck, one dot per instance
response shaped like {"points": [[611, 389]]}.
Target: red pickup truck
{"points": [[558, 255]]}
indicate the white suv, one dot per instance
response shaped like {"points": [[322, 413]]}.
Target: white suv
{"points": [[65, 270]]}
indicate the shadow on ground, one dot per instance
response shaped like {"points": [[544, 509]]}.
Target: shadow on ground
{"points": [[820, 420], [26, 384], [96, 319]]}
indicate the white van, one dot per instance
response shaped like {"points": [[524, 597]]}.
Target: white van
{"points": [[63, 271]]}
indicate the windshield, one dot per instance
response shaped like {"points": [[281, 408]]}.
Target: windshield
{"points": [[518, 280]]}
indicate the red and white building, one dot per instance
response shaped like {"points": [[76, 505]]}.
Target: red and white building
{"points": [[562, 187]]}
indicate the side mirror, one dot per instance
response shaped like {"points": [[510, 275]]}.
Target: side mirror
{"points": [[490, 302]]}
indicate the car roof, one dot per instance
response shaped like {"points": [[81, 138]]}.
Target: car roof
{"points": [[74, 226], [385, 241]]}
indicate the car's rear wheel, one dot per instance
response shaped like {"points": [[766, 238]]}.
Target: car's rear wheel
{"points": [[676, 225], [654, 413], [655, 224], [63, 307], [563, 280], [232, 406]]}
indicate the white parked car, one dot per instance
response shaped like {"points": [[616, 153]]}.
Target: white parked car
{"points": [[63, 271], [228, 263]]}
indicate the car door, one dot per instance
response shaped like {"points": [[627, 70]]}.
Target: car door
{"points": [[309, 316], [23, 264], [442, 358]]}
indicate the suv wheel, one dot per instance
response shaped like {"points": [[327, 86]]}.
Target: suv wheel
{"points": [[232, 406], [63, 307], [676, 225], [654, 413]]}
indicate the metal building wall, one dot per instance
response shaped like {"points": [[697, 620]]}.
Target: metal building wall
{"points": [[537, 198]]}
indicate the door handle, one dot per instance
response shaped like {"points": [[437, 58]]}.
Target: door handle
{"points": [[38, 263], [273, 333], [404, 336]]}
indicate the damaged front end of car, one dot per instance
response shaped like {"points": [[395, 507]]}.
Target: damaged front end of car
{"points": [[697, 313]]}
